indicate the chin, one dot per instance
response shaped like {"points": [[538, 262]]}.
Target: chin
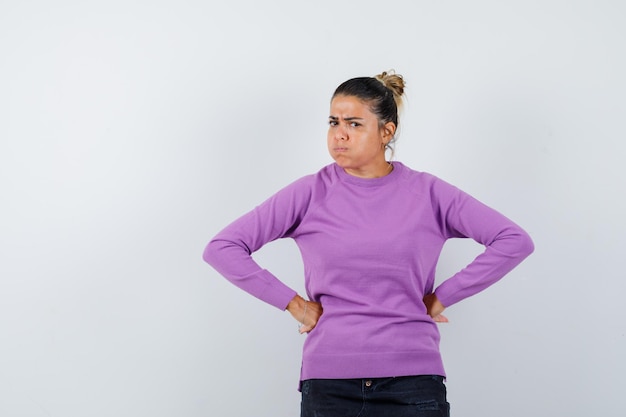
{"points": [[339, 160]]}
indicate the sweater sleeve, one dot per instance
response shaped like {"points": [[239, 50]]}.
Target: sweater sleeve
{"points": [[506, 243], [230, 251]]}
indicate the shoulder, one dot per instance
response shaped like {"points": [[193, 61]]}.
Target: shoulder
{"points": [[424, 182], [325, 177], [308, 187]]}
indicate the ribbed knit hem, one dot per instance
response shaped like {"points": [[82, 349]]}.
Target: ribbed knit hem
{"points": [[372, 365]]}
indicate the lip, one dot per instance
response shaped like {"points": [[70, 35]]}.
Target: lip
{"points": [[340, 149]]}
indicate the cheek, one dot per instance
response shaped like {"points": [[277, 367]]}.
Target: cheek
{"points": [[372, 144]]}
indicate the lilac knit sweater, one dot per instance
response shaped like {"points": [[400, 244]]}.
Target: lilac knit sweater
{"points": [[370, 248]]}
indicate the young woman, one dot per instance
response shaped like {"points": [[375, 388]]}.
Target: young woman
{"points": [[370, 232]]}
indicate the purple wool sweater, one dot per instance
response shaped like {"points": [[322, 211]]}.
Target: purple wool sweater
{"points": [[370, 248]]}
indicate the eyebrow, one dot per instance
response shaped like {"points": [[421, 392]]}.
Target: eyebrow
{"points": [[348, 119]]}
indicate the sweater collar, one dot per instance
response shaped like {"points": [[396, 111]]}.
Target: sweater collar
{"points": [[369, 182]]}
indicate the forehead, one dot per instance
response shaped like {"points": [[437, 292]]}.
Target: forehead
{"points": [[342, 105]]}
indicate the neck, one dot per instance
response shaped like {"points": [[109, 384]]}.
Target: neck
{"points": [[380, 171]]}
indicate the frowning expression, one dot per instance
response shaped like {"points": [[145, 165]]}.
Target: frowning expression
{"points": [[356, 138]]}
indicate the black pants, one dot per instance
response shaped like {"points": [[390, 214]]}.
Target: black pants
{"points": [[409, 396]]}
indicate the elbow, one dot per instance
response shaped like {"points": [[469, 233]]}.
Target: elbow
{"points": [[525, 246], [529, 245], [210, 252], [516, 244], [219, 251]]}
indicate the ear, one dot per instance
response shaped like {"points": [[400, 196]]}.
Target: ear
{"points": [[388, 130]]}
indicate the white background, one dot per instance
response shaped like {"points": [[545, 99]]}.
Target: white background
{"points": [[132, 131]]}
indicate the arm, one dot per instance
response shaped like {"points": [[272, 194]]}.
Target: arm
{"points": [[506, 244], [230, 251]]}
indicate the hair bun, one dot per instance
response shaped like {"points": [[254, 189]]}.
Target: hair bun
{"points": [[394, 82]]}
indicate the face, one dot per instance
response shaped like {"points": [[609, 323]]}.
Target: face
{"points": [[356, 139]]}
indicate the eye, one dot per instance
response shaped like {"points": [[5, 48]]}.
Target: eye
{"points": [[355, 124], [332, 123]]}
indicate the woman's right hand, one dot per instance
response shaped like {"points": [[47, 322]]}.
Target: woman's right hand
{"points": [[306, 312]]}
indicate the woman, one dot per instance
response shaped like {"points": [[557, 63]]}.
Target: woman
{"points": [[370, 232]]}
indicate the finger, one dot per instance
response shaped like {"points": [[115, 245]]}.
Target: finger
{"points": [[441, 319], [305, 328]]}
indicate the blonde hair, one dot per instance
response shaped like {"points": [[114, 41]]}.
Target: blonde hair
{"points": [[395, 83]]}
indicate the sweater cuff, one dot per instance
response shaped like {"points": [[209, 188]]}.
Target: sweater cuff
{"points": [[275, 292]]}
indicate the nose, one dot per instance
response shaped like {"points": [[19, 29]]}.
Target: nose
{"points": [[340, 133]]}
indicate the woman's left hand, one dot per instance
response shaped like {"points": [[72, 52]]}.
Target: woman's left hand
{"points": [[435, 308]]}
